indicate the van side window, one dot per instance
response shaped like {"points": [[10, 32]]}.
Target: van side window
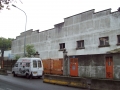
{"points": [[34, 64], [39, 64], [27, 64], [20, 63], [16, 65]]}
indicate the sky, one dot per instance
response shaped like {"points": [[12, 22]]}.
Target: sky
{"points": [[44, 14]]}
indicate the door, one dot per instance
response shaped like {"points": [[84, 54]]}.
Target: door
{"points": [[15, 68], [73, 66], [40, 68], [109, 67]]}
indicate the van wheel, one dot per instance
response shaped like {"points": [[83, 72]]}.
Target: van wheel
{"points": [[31, 76], [14, 74], [39, 77], [27, 76]]}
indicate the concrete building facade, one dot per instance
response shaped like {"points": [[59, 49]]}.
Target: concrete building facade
{"points": [[85, 33], [87, 37]]}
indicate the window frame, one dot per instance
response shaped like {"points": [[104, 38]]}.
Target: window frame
{"points": [[103, 43], [63, 46], [27, 64], [34, 64], [80, 44], [39, 64], [118, 39]]}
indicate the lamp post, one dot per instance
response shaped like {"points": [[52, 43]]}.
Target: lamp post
{"points": [[25, 26]]}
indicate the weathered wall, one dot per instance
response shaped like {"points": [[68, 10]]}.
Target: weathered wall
{"points": [[94, 66], [87, 26]]}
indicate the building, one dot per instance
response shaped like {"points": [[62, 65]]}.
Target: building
{"points": [[88, 33], [7, 55]]}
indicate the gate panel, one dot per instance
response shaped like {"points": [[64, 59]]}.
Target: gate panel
{"points": [[73, 66], [109, 67]]}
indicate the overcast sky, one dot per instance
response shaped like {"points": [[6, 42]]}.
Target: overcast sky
{"points": [[44, 14]]}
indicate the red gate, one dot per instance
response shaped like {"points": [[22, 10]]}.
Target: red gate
{"points": [[73, 66], [109, 67]]}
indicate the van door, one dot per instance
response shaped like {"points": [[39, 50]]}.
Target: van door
{"points": [[34, 69], [16, 68], [40, 68]]}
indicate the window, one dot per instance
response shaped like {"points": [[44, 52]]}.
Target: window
{"points": [[16, 65], [34, 64], [118, 38], [80, 44], [62, 46], [104, 41], [39, 64], [27, 64]]}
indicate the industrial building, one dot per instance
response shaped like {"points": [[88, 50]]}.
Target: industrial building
{"points": [[91, 39]]}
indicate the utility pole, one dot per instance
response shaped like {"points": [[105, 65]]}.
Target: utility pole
{"points": [[25, 26]]}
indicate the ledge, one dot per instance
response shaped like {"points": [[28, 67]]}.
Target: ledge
{"points": [[103, 46], [80, 48], [118, 44], [61, 50]]}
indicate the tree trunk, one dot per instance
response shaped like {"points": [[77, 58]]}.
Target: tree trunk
{"points": [[2, 57]]}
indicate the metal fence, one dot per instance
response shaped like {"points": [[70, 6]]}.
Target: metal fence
{"points": [[53, 66], [8, 64]]}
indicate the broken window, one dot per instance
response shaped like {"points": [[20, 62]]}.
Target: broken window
{"points": [[80, 44], [104, 41]]}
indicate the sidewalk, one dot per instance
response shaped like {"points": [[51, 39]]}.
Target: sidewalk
{"points": [[9, 72]]}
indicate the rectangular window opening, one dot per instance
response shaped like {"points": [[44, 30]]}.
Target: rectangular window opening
{"points": [[80, 44], [39, 64], [34, 64], [62, 46], [104, 41], [118, 38]]}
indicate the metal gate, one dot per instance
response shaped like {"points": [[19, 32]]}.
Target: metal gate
{"points": [[109, 67], [73, 66]]}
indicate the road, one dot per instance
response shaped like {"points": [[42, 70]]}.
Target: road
{"points": [[20, 83]]}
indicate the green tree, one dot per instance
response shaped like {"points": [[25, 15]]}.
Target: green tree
{"points": [[17, 57], [6, 3], [5, 44], [30, 50]]}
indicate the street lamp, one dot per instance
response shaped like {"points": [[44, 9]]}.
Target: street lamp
{"points": [[25, 26]]}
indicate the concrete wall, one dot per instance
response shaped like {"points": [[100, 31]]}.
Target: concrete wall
{"points": [[87, 26], [85, 83], [94, 66]]}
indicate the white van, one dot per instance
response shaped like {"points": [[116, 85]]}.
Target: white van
{"points": [[29, 67]]}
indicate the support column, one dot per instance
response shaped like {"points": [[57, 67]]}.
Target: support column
{"points": [[65, 63]]}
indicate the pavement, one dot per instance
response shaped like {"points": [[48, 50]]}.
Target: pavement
{"points": [[9, 72]]}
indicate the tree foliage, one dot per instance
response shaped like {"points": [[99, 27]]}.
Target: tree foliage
{"points": [[17, 57], [30, 50], [5, 44], [6, 3]]}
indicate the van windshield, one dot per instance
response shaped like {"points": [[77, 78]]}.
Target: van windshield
{"points": [[34, 64]]}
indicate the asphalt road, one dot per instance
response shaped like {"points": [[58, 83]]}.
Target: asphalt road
{"points": [[20, 83]]}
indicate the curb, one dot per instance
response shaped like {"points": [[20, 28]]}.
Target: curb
{"points": [[3, 72]]}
